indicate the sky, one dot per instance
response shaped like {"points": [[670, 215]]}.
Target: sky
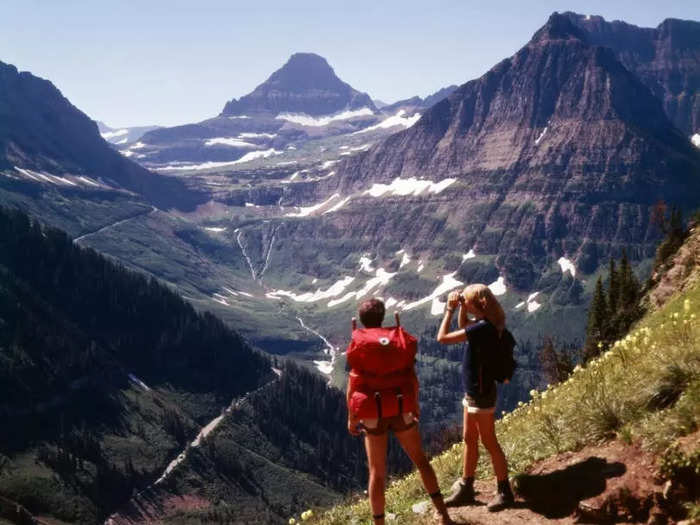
{"points": [[169, 62]]}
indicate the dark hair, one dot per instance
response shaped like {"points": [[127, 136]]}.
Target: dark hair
{"points": [[371, 313]]}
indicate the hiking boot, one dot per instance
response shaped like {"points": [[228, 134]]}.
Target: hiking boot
{"points": [[463, 494], [503, 499]]}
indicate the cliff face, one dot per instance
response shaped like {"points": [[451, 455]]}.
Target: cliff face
{"points": [[666, 59], [305, 84], [41, 130], [556, 150]]}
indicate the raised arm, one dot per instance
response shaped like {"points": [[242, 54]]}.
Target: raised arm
{"points": [[444, 336], [462, 319]]}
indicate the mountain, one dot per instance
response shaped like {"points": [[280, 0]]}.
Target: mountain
{"points": [[47, 142], [306, 84], [123, 136], [300, 109], [666, 59]]}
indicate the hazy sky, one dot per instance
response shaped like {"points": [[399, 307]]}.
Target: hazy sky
{"points": [[175, 61]]}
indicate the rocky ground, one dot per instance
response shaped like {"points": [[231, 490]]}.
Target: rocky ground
{"points": [[610, 483]]}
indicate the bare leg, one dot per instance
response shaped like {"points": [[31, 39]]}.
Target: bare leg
{"points": [[376, 446], [471, 444], [411, 443], [487, 431]]}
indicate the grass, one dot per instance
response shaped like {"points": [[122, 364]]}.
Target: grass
{"points": [[644, 389]]}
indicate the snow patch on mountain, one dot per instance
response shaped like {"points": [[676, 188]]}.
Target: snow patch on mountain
{"points": [[395, 120], [410, 186], [448, 283], [215, 229], [336, 207], [230, 141], [249, 135], [469, 255], [310, 297], [325, 367], [695, 139], [307, 120], [308, 210], [251, 155], [366, 263], [113, 134], [498, 287], [538, 139], [138, 382], [567, 266]]}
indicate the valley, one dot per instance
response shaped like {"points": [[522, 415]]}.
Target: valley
{"points": [[197, 299]]}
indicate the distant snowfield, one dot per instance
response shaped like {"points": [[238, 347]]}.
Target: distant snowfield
{"points": [[251, 155], [469, 255], [42, 176], [695, 139], [448, 284], [350, 150], [396, 120], [325, 367], [249, 135], [410, 186], [366, 263], [533, 305], [308, 120], [214, 229], [498, 287], [138, 382], [308, 210], [112, 134], [567, 266], [230, 141], [311, 297], [336, 207], [538, 139], [381, 278]]}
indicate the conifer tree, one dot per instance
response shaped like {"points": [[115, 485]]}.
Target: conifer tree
{"points": [[613, 287], [597, 322], [629, 286]]}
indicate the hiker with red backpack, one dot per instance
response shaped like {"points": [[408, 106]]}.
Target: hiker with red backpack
{"points": [[382, 395], [488, 358]]}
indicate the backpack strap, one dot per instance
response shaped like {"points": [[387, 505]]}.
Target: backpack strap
{"points": [[396, 317], [378, 400]]}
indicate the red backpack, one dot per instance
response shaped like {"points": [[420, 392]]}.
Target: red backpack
{"points": [[382, 375]]}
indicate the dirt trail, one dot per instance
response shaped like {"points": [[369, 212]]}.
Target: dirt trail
{"points": [[611, 483]]}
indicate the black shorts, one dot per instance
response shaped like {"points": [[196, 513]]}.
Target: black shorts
{"points": [[481, 403]]}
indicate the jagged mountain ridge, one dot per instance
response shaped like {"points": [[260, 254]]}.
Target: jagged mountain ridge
{"points": [[418, 102], [563, 124], [41, 131], [666, 59], [307, 84]]}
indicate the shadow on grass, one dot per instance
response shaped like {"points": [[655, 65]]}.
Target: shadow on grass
{"points": [[557, 494]]}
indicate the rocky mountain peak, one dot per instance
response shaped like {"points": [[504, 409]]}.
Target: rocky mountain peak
{"points": [[558, 27], [664, 58], [306, 83]]}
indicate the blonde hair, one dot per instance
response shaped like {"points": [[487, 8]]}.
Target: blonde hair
{"points": [[481, 296]]}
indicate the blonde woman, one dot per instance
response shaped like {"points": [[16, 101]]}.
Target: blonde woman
{"points": [[482, 335]]}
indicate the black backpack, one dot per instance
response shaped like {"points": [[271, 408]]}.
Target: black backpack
{"points": [[501, 363]]}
